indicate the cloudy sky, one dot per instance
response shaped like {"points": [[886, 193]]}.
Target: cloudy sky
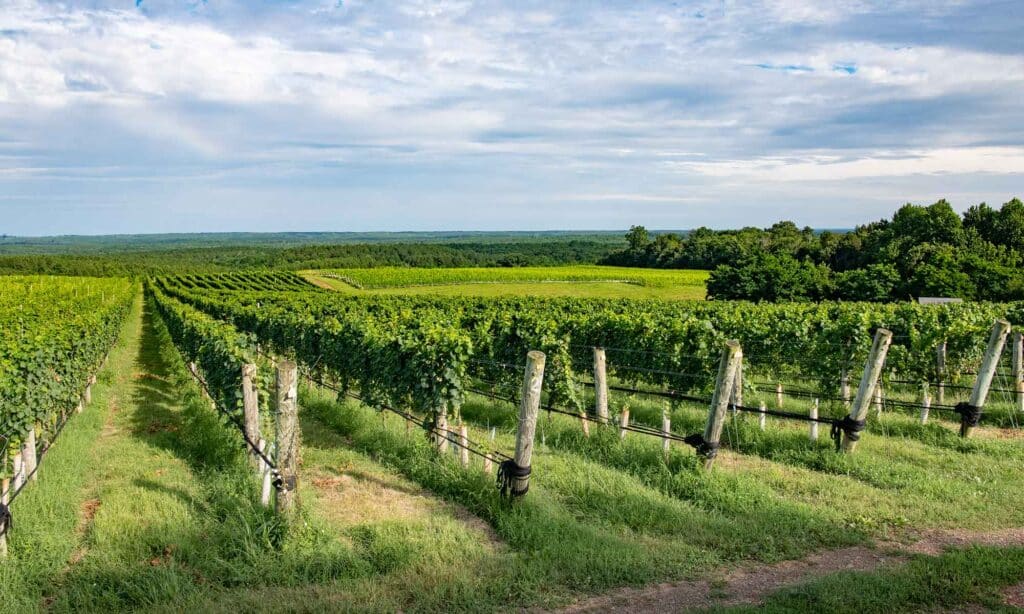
{"points": [[172, 115]]}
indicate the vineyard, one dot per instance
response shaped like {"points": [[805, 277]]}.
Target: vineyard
{"points": [[633, 442], [56, 332]]}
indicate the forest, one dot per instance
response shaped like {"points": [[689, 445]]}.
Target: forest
{"points": [[922, 251], [485, 252]]}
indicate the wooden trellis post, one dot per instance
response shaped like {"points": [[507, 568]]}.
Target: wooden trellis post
{"points": [[813, 414], [737, 388], [441, 434], [287, 434], [844, 385], [940, 373], [868, 382], [926, 403], [989, 364], [600, 385], [28, 456], [732, 355], [533, 381], [1018, 369], [251, 407], [19, 473], [666, 430]]}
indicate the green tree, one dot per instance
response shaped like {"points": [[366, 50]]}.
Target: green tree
{"points": [[876, 282], [638, 238], [1010, 225]]}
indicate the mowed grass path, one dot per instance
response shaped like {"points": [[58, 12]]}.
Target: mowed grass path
{"points": [[578, 281]]}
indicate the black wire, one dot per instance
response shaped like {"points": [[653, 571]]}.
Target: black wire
{"points": [[666, 394], [241, 428], [950, 386], [448, 433], [657, 371], [633, 426]]}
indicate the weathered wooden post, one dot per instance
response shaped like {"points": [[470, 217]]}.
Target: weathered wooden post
{"points": [[844, 385], [1018, 369], [263, 470], [813, 414], [251, 408], [287, 435], [441, 434], [488, 463], [585, 423], [853, 424], [18, 474], [666, 430], [28, 455], [87, 395], [600, 385], [736, 399], [926, 403], [940, 372], [514, 475], [761, 417], [707, 444], [623, 421], [970, 413], [878, 399]]}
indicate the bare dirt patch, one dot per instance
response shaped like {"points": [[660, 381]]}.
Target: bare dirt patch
{"points": [[357, 497], [935, 542], [752, 583], [1014, 596], [747, 584]]}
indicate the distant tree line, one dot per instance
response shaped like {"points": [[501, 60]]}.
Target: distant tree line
{"points": [[923, 251], [230, 258]]}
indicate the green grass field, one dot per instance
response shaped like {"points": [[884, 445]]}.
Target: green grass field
{"points": [[580, 281]]}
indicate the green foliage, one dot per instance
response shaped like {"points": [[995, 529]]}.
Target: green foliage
{"points": [[770, 277], [55, 332], [149, 260], [875, 282], [415, 351], [922, 251], [245, 280], [218, 349]]}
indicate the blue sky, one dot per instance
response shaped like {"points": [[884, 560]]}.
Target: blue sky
{"points": [[267, 115]]}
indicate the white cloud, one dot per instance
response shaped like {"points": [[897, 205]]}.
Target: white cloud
{"points": [[633, 103], [966, 160]]}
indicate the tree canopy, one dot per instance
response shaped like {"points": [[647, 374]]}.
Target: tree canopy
{"points": [[922, 251]]}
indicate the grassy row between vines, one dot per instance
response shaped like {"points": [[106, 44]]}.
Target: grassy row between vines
{"points": [[603, 513]]}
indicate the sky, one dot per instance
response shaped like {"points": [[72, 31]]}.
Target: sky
{"points": [[352, 115]]}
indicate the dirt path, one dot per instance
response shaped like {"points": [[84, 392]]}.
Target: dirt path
{"points": [[753, 583]]}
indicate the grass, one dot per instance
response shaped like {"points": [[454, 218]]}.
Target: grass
{"points": [[895, 484], [147, 502], [578, 281]]}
